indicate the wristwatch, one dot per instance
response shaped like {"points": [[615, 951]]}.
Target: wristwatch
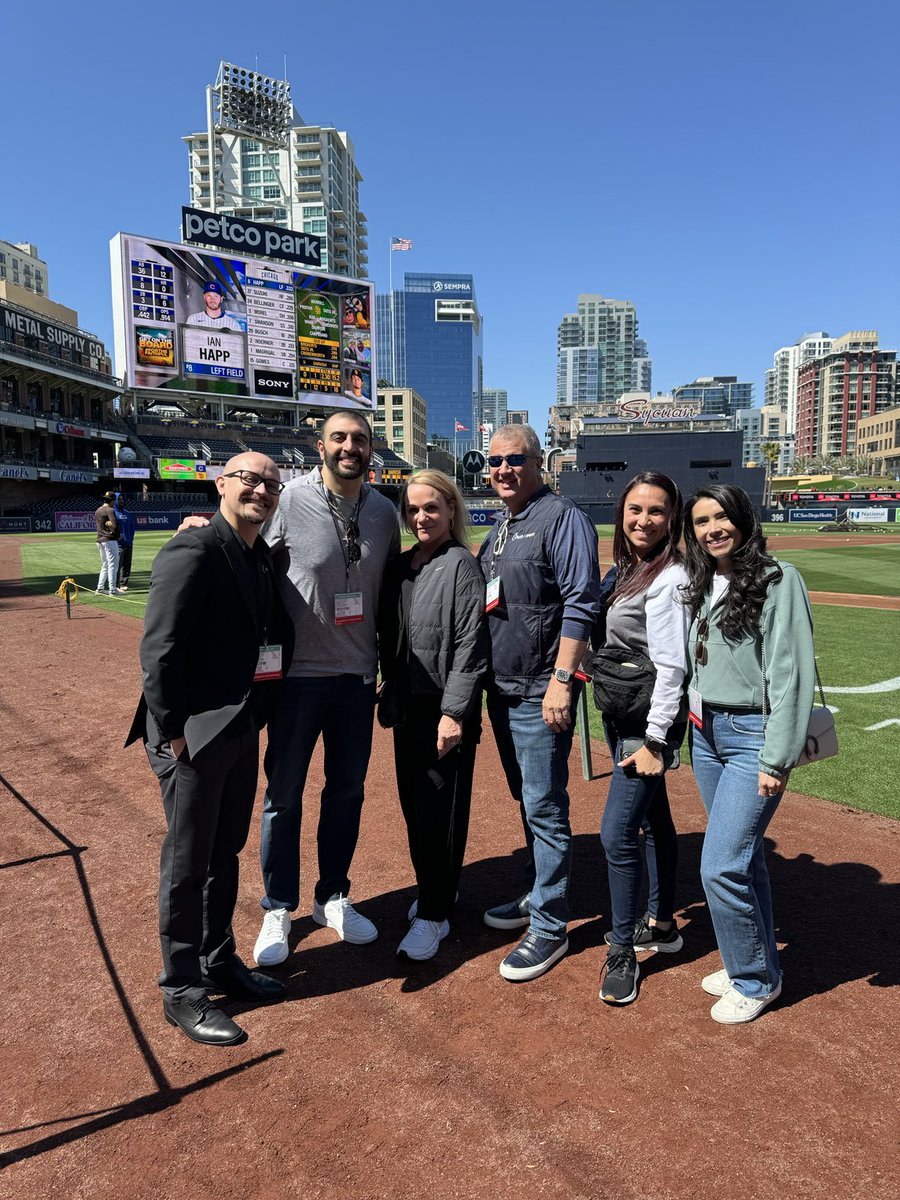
{"points": [[655, 746], [562, 675]]}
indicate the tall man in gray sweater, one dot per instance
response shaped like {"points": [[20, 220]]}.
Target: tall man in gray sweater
{"points": [[332, 536]]}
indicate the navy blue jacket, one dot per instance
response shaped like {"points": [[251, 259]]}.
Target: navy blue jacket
{"points": [[550, 588]]}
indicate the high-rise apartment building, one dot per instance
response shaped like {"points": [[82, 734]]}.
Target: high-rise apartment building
{"points": [[781, 377], [596, 351], [429, 337], [494, 407], [717, 395], [835, 391], [270, 165], [641, 368]]}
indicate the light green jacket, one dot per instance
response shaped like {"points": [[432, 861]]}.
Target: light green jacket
{"points": [[732, 675]]}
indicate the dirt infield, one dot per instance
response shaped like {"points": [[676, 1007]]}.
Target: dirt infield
{"points": [[441, 1080]]}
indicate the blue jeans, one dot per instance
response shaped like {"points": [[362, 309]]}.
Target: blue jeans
{"points": [[536, 763], [635, 802], [340, 708], [733, 865]]}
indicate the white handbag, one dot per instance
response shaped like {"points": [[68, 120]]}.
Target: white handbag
{"points": [[821, 736]]}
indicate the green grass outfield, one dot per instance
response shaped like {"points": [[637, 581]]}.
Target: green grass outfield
{"points": [[857, 648]]}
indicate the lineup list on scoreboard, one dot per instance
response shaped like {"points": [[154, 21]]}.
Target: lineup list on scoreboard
{"points": [[271, 321]]}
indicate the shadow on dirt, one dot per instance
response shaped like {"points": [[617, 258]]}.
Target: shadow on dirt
{"points": [[811, 900], [164, 1096]]}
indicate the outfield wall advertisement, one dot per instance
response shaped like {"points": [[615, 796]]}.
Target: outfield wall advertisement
{"points": [[205, 323]]}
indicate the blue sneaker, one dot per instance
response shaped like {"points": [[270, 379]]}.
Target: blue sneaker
{"points": [[532, 957], [513, 915]]}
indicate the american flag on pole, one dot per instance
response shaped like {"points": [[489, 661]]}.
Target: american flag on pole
{"points": [[460, 428], [401, 244]]}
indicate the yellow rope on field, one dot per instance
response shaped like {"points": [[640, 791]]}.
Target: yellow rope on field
{"points": [[62, 590]]}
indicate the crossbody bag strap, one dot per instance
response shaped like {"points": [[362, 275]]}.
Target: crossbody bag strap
{"points": [[762, 637]]}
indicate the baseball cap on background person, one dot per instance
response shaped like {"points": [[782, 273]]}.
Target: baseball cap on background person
{"points": [[213, 285], [109, 495]]}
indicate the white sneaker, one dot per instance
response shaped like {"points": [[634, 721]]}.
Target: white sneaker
{"points": [[423, 939], [735, 1009], [340, 915], [272, 944], [716, 984]]}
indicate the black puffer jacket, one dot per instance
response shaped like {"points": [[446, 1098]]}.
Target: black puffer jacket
{"points": [[445, 647]]}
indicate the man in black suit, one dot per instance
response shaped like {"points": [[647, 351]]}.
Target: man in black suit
{"points": [[215, 639]]}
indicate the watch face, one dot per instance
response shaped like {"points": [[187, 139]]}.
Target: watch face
{"points": [[562, 674]]}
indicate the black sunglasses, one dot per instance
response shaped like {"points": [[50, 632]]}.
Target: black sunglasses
{"points": [[511, 460], [251, 480], [700, 655], [351, 536]]}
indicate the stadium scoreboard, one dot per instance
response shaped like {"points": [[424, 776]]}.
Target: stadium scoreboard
{"points": [[194, 321]]}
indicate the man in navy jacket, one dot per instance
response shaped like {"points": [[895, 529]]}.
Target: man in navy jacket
{"points": [[543, 598]]}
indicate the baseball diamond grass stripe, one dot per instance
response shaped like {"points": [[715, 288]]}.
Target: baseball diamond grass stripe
{"points": [[864, 570], [856, 648]]}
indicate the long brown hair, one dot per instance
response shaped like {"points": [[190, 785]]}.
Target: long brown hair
{"points": [[634, 577]]}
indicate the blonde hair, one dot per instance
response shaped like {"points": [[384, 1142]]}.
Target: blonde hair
{"points": [[459, 522]]}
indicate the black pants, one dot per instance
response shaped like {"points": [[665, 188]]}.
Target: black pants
{"points": [[208, 803], [124, 565], [435, 797]]}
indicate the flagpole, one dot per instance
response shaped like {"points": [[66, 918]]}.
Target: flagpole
{"points": [[391, 303]]}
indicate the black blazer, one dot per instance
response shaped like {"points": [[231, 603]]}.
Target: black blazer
{"points": [[202, 634]]}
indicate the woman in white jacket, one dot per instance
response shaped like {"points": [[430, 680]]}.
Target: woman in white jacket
{"points": [[644, 615]]}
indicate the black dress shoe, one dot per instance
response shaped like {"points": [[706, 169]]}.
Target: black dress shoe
{"points": [[240, 983], [202, 1022]]}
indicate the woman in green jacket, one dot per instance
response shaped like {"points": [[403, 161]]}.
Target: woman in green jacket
{"points": [[750, 698]]}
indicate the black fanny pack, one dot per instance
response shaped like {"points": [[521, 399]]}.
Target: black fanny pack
{"points": [[623, 684]]}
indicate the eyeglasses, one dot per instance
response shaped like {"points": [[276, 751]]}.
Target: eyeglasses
{"points": [[511, 460], [700, 655], [251, 480]]}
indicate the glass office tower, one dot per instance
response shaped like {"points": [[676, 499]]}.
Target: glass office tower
{"points": [[429, 337]]}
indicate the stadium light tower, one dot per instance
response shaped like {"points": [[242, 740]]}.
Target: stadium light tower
{"points": [[243, 103]]}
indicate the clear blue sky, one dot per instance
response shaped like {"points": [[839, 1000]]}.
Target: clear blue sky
{"points": [[730, 168]]}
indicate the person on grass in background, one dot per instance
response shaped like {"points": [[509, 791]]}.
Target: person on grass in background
{"points": [[644, 616], [215, 642], [433, 645], [127, 527], [543, 600], [751, 695], [107, 527]]}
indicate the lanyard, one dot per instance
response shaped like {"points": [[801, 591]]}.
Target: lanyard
{"points": [[339, 520]]}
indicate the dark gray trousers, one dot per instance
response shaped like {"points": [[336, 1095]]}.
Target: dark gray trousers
{"points": [[208, 802]]}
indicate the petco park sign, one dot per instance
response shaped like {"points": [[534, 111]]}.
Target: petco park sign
{"points": [[250, 237]]}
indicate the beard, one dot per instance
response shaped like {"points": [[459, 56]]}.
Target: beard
{"points": [[345, 468]]}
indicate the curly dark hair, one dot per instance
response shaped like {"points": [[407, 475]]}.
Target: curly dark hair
{"points": [[632, 576], [753, 570]]}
